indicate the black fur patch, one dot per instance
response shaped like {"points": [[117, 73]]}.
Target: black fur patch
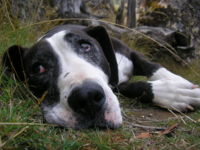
{"points": [[140, 90], [43, 54]]}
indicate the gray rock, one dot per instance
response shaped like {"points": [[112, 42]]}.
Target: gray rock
{"points": [[179, 15], [167, 41], [27, 10]]}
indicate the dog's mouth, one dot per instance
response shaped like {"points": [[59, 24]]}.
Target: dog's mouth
{"points": [[109, 117], [101, 124], [101, 120], [92, 106], [96, 121]]}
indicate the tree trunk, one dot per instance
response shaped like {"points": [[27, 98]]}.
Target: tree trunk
{"points": [[120, 11], [27, 10], [131, 14]]}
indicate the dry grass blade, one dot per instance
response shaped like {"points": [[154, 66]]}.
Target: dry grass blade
{"points": [[179, 117], [25, 123], [31, 94], [40, 100], [148, 127], [8, 15], [186, 116], [193, 146], [12, 137]]}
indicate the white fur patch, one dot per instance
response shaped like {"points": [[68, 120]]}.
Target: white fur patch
{"points": [[173, 91], [74, 71], [58, 115], [125, 68], [163, 73], [113, 111]]}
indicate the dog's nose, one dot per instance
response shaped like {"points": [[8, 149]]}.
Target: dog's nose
{"points": [[87, 98]]}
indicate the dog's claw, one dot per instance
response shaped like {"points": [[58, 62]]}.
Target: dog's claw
{"points": [[195, 86], [190, 108]]}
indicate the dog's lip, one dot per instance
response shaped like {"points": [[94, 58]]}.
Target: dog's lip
{"points": [[102, 126], [108, 125], [99, 122]]}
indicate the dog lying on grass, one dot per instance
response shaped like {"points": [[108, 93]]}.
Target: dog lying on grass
{"points": [[78, 68]]}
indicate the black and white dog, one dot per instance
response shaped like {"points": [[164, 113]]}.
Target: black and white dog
{"points": [[78, 67]]}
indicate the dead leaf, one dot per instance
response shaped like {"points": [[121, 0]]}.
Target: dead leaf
{"points": [[144, 135], [169, 130]]}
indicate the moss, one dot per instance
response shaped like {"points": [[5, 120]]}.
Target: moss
{"points": [[155, 5]]}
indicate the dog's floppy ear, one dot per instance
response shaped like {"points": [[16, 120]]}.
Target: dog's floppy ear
{"points": [[101, 35], [13, 61]]}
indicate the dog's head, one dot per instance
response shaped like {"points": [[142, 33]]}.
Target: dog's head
{"points": [[74, 66]]}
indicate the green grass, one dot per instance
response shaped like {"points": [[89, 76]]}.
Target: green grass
{"points": [[17, 105]]}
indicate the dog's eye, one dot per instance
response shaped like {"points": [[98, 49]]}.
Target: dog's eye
{"points": [[85, 46], [38, 68]]}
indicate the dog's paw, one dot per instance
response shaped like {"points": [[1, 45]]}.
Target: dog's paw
{"points": [[174, 92]]}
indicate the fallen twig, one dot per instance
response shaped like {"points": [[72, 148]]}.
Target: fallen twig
{"points": [[147, 127], [167, 131]]}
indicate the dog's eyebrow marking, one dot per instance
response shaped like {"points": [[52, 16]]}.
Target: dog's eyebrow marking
{"points": [[66, 74]]}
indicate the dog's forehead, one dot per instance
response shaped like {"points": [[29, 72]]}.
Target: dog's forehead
{"points": [[67, 37], [59, 42], [57, 38], [79, 30]]}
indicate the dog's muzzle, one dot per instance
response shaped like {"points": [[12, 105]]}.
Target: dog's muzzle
{"points": [[87, 99]]}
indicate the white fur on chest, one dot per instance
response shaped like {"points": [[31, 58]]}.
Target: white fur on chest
{"points": [[125, 67]]}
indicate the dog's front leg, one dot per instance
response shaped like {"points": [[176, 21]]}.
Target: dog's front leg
{"points": [[165, 88], [173, 91]]}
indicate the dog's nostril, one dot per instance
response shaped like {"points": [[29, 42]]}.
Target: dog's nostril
{"points": [[87, 98], [97, 97]]}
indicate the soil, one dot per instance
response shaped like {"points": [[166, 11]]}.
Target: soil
{"points": [[152, 114]]}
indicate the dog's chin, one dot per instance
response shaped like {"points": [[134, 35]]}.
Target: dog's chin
{"points": [[109, 117], [101, 125], [79, 122], [88, 124], [97, 122]]}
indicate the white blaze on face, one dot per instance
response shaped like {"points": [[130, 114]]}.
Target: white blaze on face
{"points": [[73, 71]]}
